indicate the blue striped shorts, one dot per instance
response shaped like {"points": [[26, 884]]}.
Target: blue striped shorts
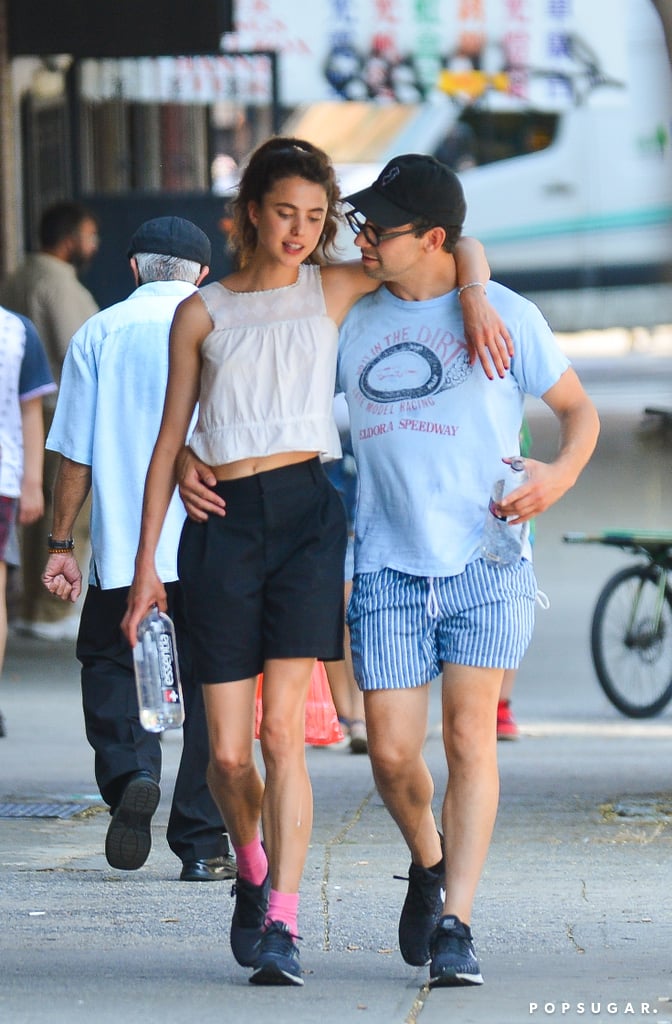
{"points": [[403, 628]]}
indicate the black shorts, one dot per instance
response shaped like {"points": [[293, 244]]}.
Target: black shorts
{"points": [[266, 580]]}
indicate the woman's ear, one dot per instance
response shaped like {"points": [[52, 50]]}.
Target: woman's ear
{"points": [[253, 212]]}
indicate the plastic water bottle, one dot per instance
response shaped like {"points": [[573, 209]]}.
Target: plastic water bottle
{"points": [[502, 543], [157, 674]]}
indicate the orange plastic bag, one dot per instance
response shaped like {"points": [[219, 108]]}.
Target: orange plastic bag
{"points": [[322, 725]]}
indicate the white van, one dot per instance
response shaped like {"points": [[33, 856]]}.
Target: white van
{"points": [[574, 206]]}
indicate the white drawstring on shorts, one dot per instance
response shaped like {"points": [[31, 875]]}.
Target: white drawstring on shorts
{"points": [[433, 609]]}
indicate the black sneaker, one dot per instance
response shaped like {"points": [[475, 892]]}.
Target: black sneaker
{"points": [[453, 959], [420, 913], [248, 919], [129, 836], [278, 957]]}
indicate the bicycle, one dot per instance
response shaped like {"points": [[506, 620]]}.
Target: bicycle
{"points": [[631, 629]]}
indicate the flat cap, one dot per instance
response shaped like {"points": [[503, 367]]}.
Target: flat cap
{"points": [[172, 236]]}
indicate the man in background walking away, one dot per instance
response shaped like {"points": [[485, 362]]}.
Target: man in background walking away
{"points": [[25, 379], [46, 289], [106, 422]]}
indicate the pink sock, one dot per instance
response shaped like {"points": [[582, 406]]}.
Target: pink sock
{"points": [[252, 862], [284, 906]]}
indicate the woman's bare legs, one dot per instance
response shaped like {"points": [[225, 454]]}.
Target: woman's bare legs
{"points": [[285, 801], [234, 779], [287, 811]]}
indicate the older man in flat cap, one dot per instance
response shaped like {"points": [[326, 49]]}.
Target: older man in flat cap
{"points": [[105, 425]]}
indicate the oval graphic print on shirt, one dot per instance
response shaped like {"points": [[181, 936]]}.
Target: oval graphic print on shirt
{"points": [[410, 370]]}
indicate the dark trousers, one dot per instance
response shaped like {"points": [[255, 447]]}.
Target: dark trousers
{"points": [[122, 746]]}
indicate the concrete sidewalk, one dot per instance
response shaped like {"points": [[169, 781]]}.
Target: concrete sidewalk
{"points": [[573, 917], [575, 906]]}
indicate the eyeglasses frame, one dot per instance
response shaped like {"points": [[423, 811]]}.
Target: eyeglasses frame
{"points": [[373, 236]]}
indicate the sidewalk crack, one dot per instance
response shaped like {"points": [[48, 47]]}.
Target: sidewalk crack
{"points": [[337, 840], [575, 944]]}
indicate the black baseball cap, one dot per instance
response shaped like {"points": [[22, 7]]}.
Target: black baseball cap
{"points": [[172, 236], [412, 186]]}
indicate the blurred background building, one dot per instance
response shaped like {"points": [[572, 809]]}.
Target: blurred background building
{"points": [[556, 113]]}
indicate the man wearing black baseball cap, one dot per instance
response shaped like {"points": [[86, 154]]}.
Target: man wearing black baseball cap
{"points": [[411, 187], [106, 422], [430, 434]]}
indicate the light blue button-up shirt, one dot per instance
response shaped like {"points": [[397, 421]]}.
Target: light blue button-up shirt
{"points": [[108, 415]]}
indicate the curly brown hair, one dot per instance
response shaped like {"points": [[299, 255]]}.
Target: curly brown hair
{"points": [[278, 158]]}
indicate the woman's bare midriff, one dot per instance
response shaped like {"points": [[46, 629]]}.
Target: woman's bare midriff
{"points": [[262, 464]]}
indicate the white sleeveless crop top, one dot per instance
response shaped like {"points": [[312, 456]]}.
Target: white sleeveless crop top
{"points": [[268, 373]]}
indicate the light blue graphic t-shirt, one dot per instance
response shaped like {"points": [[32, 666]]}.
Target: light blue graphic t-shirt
{"points": [[429, 430]]}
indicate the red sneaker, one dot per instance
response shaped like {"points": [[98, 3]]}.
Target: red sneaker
{"points": [[506, 723]]}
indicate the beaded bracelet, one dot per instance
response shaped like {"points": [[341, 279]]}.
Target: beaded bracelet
{"points": [[60, 547], [472, 284]]}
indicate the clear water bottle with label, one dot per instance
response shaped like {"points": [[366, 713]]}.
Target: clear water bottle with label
{"points": [[157, 674], [501, 542]]}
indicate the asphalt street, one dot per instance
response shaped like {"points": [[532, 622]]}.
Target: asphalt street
{"points": [[573, 918]]}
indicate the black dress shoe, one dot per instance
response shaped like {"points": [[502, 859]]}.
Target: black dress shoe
{"points": [[216, 869], [129, 836]]}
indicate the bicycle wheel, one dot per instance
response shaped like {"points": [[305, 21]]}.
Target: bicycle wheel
{"points": [[631, 644]]}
